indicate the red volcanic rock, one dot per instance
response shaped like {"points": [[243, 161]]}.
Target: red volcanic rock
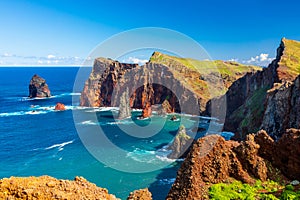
{"points": [[60, 106], [46, 187], [38, 87], [147, 111], [213, 160], [287, 154], [142, 194]]}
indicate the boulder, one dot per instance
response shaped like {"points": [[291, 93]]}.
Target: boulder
{"points": [[38, 87], [142, 194], [60, 107]]}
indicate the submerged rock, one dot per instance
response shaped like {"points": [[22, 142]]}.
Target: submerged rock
{"points": [[60, 106], [38, 87]]}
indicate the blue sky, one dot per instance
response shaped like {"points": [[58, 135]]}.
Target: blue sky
{"points": [[64, 32]]}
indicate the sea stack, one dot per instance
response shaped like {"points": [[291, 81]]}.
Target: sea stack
{"points": [[38, 87], [124, 107], [180, 145]]}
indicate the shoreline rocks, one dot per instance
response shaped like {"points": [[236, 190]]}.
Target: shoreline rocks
{"points": [[38, 87]]}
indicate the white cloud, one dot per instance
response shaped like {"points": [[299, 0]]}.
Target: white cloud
{"points": [[234, 60], [262, 60], [50, 56], [50, 59], [135, 60], [263, 56]]}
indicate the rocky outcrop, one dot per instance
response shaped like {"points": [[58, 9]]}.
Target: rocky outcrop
{"points": [[60, 107], [147, 111], [214, 160], [38, 87], [180, 145], [148, 85], [164, 108], [46, 187], [124, 107], [282, 108], [287, 154], [142, 194], [162, 78], [248, 102]]}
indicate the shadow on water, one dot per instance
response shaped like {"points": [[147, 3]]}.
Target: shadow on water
{"points": [[164, 180]]}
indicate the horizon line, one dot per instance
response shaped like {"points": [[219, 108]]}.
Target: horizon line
{"points": [[46, 65]]}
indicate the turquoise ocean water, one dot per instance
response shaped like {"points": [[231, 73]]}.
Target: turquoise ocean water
{"points": [[46, 142]]}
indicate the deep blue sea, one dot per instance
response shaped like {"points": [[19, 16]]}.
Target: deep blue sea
{"points": [[47, 142]]}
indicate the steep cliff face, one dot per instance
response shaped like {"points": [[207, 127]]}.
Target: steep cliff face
{"points": [[163, 78], [282, 108], [38, 87], [148, 84], [214, 160], [247, 98]]}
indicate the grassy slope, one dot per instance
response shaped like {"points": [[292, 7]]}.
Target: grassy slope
{"points": [[197, 74], [267, 190], [291, 57], [205, 67]]}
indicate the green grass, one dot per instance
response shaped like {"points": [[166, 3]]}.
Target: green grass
{"points": [[204, 67], [250, 114], [260, 190], [291, 57], [197, 74]]}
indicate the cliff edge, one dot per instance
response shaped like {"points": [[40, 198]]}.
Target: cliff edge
{"points": [[251, 98]]}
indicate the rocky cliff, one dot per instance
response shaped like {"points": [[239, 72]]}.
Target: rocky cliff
{"points": [[282, 109], [46, 187], [180, 81], [214, 160], [38, 87], [249, 99]]}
